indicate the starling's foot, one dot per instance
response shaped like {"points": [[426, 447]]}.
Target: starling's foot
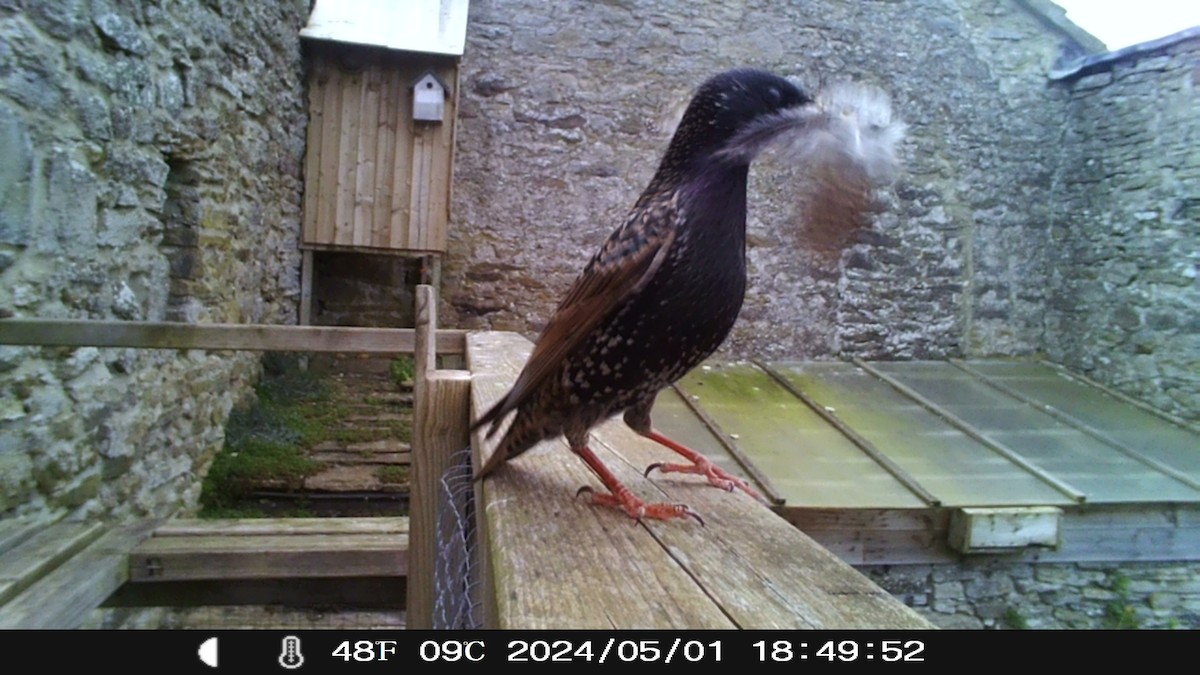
{"points": [[637, 509], [716, 476]]}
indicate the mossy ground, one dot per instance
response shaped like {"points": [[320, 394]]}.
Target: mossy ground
{"points": [[267, 440]]}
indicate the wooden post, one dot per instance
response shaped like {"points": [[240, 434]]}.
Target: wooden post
{"points": [[306, 284], [440, 401]]}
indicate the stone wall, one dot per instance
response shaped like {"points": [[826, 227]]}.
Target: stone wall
{"points": [[152, 171], [1127, 232], [566, 109], [997, 594]]}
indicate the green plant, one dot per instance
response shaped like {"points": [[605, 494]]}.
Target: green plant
{"points": [[393, 474], [1015, 620], [1120, 614], [265, 439], [402, 369]]}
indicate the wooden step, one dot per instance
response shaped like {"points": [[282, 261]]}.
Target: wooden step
{"points": [[45, 548], [61, 583], [277, 548]]}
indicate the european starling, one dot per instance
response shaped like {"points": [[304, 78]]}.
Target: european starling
{"points": [[664, 290]]}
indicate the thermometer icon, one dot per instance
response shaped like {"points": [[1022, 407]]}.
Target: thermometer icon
{"points": [[291, 658]]}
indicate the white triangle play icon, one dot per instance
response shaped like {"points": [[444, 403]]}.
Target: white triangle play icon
{"points": [[208, 652]]}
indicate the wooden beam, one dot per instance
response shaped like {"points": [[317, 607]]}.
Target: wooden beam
{"points": [[269, 556], [232, 527], [65, 596], [44, 550], [306, 286], [1090, 533], [250, 337], [559, 562], [441, 400]]}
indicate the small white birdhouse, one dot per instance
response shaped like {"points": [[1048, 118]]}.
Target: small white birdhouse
{"points": [[429, 98]]}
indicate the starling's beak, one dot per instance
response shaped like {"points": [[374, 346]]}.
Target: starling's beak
{"points": [[766, 130]]}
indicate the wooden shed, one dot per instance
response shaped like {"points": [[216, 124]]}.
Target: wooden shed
{"points": [[380, 148]]}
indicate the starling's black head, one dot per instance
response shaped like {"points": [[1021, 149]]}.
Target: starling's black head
{"points": [[732, 115]]}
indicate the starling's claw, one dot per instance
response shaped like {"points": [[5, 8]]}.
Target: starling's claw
{"points": [[693, 514], [639, 510], [656, 465]]}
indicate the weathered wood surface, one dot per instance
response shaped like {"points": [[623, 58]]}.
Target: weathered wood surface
{"points": [[1092, 533], [558, 562], [234, 527], [43, 550], [441, 399], [65, 595], [251, 337], [287, 548], [375, 179]]}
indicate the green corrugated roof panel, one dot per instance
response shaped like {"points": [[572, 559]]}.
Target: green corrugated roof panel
{"points": [[808, 461], [1103, 472], [673, 418], [956, 468], [1131, 426]]}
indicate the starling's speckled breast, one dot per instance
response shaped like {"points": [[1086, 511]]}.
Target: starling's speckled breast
{"points": [[665, 289]]}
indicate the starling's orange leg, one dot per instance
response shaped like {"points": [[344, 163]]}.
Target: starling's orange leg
{"points": [[699, 465], [622, 498]]}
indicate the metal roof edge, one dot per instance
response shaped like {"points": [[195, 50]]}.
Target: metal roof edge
{"points": [[1097, 62]]}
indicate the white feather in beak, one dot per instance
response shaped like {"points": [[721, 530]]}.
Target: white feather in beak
{"points": [[844, 143]]}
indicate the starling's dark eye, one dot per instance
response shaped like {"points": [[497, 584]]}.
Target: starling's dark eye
{"points": [[774, 97]]}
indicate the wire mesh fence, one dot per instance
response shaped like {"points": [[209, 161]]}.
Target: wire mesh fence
{"points": [[457, 578]]}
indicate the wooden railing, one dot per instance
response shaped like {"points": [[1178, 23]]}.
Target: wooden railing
{"points": [[440, 402]]}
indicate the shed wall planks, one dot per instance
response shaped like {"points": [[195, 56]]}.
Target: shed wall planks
{"points": [[374, 178]]}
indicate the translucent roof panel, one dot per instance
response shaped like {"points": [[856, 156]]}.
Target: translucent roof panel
{"points": [[673, 418], [956, 468], [1103, 472], [1133, 427], [808, 461]]}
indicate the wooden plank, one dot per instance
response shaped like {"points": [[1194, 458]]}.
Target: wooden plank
{"points": [[996, 529], [13, 531], [385, 146], [234, 527], [327, 187], [442, 398], [365, 160], [306, 286], [248, 556], [439, 178], [250, 337], [441, 242], [424, 150], [347, 159], [440, 430], [402, 157], [746, 568], [317, 82], [64, 597], [43, 551], [1091, 533]]}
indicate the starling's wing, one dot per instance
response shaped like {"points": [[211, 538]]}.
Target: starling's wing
{"points": [[626, 262]]}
